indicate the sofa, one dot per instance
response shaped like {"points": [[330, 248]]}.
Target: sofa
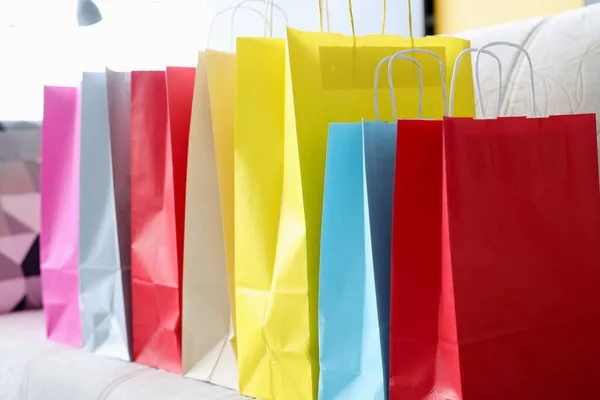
{"points": [[565, 51]]}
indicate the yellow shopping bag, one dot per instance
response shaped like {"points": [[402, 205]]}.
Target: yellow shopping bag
{"points": [[208, 298], [279, 171], [221, 73], [258, 178]]}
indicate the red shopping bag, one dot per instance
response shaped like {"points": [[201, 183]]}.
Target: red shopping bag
{"points": [[180, 92], [416, 259], [519, 306], [160, 115]]}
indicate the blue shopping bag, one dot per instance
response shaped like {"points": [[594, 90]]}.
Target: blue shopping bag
{"points": [[353, 359], [379, 158], [354, 280], [356, 243]]}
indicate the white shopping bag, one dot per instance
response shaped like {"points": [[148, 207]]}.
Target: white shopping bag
{"points": [[103, 279]]}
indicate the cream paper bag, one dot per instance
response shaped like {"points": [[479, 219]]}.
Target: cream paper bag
{"points": [[208, 337], [207, 348]]}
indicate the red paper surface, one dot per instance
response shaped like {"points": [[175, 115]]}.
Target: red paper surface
{"points": [[416, 259], [160, 115], [519, 315], [180, 92]]}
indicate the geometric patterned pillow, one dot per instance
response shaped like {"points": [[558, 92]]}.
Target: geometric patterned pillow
{"points": [[20, 286]]}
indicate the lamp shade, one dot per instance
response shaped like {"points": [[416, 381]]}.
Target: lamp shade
{"points": [[87, 13]]}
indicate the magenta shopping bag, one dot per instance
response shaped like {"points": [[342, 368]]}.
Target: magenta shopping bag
{"points": [[60, 213]]}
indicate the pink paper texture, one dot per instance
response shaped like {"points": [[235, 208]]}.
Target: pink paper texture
{"points": [[60, 213]]}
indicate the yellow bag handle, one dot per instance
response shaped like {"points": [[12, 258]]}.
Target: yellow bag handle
{"points": [[410, 22], [321, 14], [383, 17], [351, 17]]}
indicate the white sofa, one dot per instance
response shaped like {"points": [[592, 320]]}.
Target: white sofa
{"points": [[565, 50], [32, 368]]}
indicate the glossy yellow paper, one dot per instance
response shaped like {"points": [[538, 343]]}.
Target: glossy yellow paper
{"points": [[220, 68], [264, 316]]}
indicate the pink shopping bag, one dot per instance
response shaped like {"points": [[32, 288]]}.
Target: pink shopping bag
{"points": [[60, 213]]}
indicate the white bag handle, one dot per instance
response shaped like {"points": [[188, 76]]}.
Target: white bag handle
{"points": [[442, 73], [212, 23], [268, 15], [268, 23], [516, 46], [455, 73], [376, 83]]}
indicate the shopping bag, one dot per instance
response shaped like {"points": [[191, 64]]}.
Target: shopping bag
{"points": [[102, 281], [378, 146], [20, 285], [415, 177], [356, 233], [416, 252], [328, 79], [208, 353], [180, 91], [221, 69], [157, 184], [59, 192], [415, 258], [269, 365], [520, 255], [353, 358], [209, 342], [221, 79], [519, 278], [118, 88]]}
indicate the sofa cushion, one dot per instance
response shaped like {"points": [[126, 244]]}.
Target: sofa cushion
{"points": [[33, 368], [565, 51]]}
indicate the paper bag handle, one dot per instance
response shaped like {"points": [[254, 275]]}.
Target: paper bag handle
{"points": [[410, 24], [235, 9], [212, 23], [383, 18], [268, 15], [455, 74], [442, 73], [326, 15], [269, 12], [526, 53], [392, 96]]}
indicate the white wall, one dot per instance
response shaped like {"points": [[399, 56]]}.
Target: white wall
{"points": [[40, 42]]}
